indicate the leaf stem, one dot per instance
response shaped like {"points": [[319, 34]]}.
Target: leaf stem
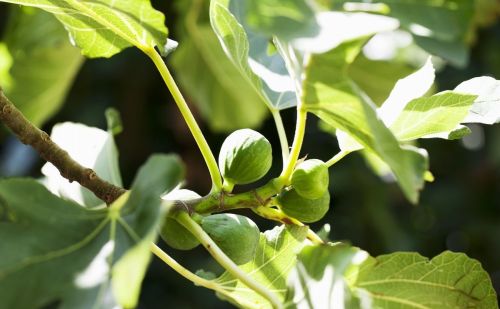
{"points": [[281, 134], [336, 158], [206, 152], [300, 129], [186, 273], [225, 261]]}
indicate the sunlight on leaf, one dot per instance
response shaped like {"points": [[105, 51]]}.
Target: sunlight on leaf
{"points": [[92, 148], [60, 251], [274, 258], [409, 280], [104, 28]]}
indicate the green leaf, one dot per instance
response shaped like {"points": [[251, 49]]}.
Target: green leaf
{"points": [[225, 98], [318, 278], [443, 33], [266, 72], [285, 19], [406, 89], [91, 147], [409, 280], [43, 63], [377, 78], [62, 252], [102, 28], [274, 258], [335, 98], [486, 107], [440, 113]]}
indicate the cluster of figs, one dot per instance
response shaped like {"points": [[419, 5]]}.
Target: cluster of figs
{"points": [[245, 157]]}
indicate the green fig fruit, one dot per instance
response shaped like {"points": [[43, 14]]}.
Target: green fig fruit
{"points": [[174, 233], [304, 209], [236, 235], [310, 178], [245, 157]]}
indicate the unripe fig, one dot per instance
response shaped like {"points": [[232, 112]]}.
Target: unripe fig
{"points": [[236, 235], [245, 157], [304, 209], [310, 178], [174, 233]]}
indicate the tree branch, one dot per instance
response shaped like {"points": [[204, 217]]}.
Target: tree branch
{"points": [[28, 134]]}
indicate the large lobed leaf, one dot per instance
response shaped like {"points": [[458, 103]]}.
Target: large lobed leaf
{"points": [[340, 276], [44, 63], [409, 280], [274, 258], [102, 28], [75, 257]]}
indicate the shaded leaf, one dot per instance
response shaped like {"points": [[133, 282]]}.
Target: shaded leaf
{"points": [[102, 28], [377, 78], [444, 32], [44, 63], [225, 98], [60, 251], [409, 280], [274, 258]]}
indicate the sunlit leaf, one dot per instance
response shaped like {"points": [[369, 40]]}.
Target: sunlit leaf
{"points": [[274, 258], [91, 147], [44, 63], [318, 278], [63, 253], [103, 28], [486, 107], [249, 52], [440, 113], [332, 96], [409, 280]]}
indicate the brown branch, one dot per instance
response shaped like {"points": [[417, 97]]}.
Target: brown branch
{"points": [[28, 134]]}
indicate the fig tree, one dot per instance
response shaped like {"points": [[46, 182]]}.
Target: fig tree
{"points": [[304, 209], [310, 179], [245, 157], [236, 235]]}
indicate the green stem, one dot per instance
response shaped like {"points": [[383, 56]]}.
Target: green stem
{"points": [[186, 273], [189, 118], [296, 146], [225, 261], [223, 201], [282, 135], [336, 158]]}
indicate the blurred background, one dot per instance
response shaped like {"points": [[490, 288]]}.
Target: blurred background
{"points": [[459, 211]]}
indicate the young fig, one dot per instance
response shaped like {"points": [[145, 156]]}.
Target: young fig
{"points": [[245, 157], [304, 209], [174, 233], [236, 235], [310, 179]]}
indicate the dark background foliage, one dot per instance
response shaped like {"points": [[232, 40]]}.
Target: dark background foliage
{"points": [[459, 211]]}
